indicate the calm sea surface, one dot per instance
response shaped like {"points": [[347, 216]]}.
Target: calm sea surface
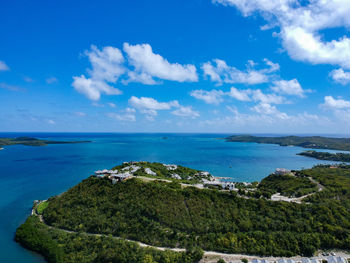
{"points": [[29, 173]]}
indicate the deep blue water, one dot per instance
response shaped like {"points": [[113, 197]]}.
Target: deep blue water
{"points": [[29, 173]]}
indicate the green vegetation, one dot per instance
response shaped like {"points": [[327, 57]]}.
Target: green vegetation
{"points": [[41, 207], [61, 247], [287, 185], [316, 142], [337, 157], [186, 174], [28, 141], [165, 214]]}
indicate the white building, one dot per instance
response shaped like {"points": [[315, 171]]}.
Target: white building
{"points": [[281, 260], [150, 172], [341, 260], [332, 259], [282, 171], [305, 260], [176, 176], [170, 167]]}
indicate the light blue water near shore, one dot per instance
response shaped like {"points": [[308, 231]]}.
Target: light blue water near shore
{"points": [[29, 173]]}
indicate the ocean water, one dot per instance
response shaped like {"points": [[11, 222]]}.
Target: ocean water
{"points": [[30, 173]]}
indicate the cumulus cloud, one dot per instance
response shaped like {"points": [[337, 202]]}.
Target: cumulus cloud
{"points": [[210, 97], [186, 112], [300, 25], [242, 95], [267, 109], [3, 66], [218, 71], [128, 117], [335, 104], [340, 76], [149, 65], [289, 87], [265, 117], [255, 95], [106, 68], [339, 107], [151, 106]]}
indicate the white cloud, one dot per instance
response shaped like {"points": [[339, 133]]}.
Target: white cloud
{"points": [[9, 87], [150, 106], [340, 76], [112, 105], [149, 65], [106, 68], [220, 72], [92, 89], [210, 97], [147, 103], [335, 104], [289, 87], [96, 104], [52, 122], [242, 95], [258, 95], [255, 95], [267, 109], [123, 116], [264, 118], [51, 80], [273, 66], [339, 107], [186, 112], [3, 66], [300, 26]]}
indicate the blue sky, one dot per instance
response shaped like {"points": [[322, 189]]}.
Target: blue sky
{"points": [[253, 66]]}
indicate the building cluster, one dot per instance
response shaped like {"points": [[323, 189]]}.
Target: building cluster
{"points": [[170, 167], [282, 171], [115, 175], [330, 259]]}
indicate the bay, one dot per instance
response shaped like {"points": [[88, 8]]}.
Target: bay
{"points": [[30, 173]]}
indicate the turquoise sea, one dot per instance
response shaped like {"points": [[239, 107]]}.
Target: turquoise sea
{"points": [[29, 173]]}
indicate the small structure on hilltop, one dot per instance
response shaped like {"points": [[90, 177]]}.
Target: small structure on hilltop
{"points": [[229, 186], [150, 172], [170, 167], [132, 168], [176, 176], [282, 171], [118, 177]]}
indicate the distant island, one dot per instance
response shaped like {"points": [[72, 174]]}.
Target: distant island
{"points": [[153, 212], [337, 157], [29, 141], [316, 142]]}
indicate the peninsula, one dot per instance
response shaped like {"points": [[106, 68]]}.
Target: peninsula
{"points": [[152, 212], [316, 142], [29, 141], [337, 157]]}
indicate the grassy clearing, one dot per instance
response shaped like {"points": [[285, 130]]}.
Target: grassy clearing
{"points": [[41, 207]]}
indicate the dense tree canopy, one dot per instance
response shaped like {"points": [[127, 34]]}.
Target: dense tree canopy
{"points": [[165, 214]]}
